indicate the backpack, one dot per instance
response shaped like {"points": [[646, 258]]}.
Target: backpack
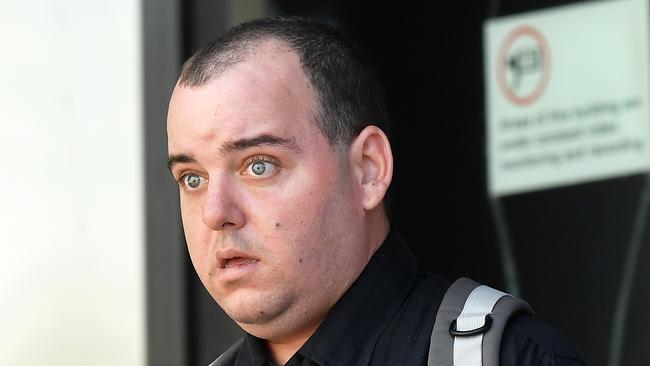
{"points": [[467, 330], [469, 324]]}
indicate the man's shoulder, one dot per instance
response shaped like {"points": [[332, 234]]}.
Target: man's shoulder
{"points": [[430, 287], [526, 340], [529, 341]]}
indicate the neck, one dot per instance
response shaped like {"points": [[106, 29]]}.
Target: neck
{"points": [[378, 229], [281, 351]]}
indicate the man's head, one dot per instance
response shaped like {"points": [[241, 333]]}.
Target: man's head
{"points": [[281, 179], [348, 94]]}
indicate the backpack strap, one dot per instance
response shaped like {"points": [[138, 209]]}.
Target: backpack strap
{"points": [[228, 357], [469, 325]]}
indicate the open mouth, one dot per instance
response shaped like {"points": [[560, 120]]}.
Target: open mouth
{"points": [[237, 261]]}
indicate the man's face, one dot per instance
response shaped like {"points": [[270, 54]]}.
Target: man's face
{"points": [[270, 210]]}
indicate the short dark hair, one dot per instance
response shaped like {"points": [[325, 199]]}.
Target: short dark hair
{"points": [[349, 94]]}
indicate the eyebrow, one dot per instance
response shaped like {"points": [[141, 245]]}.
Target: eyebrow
{"points": [[240, 145], [180, 158], [261, 140]]}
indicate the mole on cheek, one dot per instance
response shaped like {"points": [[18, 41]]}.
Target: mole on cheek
{"points": [[277, 225]]}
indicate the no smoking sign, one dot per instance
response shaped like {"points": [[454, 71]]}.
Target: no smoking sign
{"points": [[524, 65]]}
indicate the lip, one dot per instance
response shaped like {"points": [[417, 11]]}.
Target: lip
{"points": [[234, 265]]}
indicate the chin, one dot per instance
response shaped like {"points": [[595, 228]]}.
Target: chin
{"points": [[250, 316], [251, 308]]}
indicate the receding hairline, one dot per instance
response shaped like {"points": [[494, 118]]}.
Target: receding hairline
{"points": [[196, 74], [223, 61]]}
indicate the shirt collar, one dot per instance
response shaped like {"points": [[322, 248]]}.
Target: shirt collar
{"points": [[350, 331], [254, 352]]}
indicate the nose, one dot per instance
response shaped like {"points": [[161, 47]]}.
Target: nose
{"points": [[220, 207]]}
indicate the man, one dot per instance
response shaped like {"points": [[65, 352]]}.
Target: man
{"points": [[277, 140]]}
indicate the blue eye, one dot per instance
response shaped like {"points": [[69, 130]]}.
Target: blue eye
{"points": [[262, 166], [192, 181], [258, 167]]}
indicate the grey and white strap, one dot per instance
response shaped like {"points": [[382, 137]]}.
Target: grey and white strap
{"points": [[469, 325]]}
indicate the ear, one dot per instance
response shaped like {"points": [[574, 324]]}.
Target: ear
{"points": [[372, 162]]}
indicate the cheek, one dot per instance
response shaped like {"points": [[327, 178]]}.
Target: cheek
{"points": [[313, 230], [294, 227], [189, 218], [299, 213], [196, 234], [191, 215]]}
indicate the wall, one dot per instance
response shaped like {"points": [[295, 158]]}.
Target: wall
{"points": [[71, 212]]}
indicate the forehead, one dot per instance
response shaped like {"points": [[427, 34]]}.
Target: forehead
{"points": [[266, 93]]}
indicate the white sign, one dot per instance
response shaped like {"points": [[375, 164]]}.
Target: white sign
{"points": [[567, 95]]}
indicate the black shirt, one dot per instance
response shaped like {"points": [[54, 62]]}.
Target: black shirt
{"points": [[386, 318]]}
